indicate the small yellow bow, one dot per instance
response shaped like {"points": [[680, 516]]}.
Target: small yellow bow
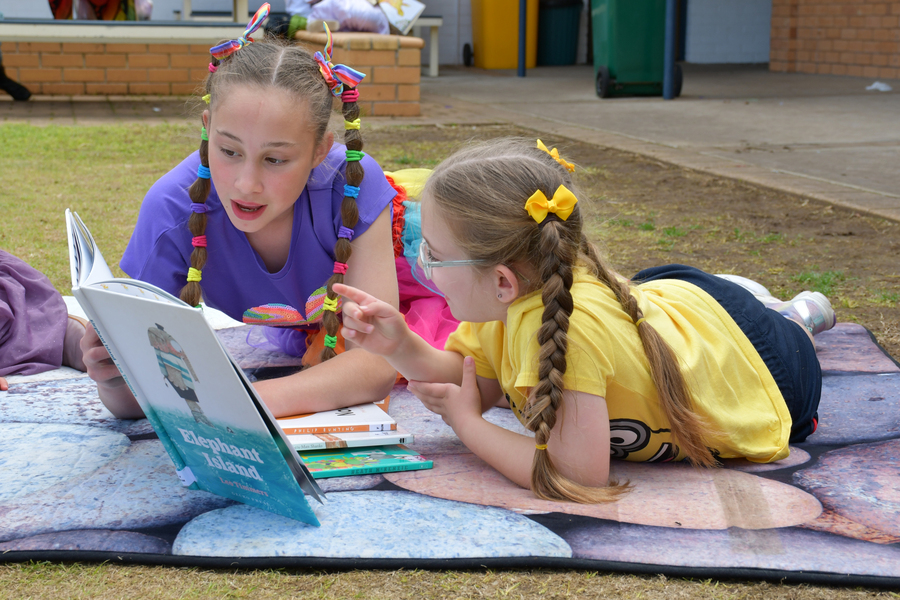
{"points": [[555, 154], [561, 204]]}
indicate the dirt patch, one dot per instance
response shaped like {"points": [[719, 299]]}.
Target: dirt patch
{"points": [[645, 213]]}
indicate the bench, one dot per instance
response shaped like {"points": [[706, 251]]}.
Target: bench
{"points": [[392, 64], [78, 58], [433, 23], [75, 58]]}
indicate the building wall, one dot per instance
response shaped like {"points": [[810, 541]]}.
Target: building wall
{"points": [[728, 31], [454, 33], [836, 37]]}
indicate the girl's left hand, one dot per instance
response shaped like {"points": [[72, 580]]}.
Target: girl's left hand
{"points": [[456, 404]]}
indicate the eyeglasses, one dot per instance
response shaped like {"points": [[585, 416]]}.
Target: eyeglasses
{"points": [[428, 264]]}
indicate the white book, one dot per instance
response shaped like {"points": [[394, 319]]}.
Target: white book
{"points": [[217, 431], [360, 439], [363, 417]]}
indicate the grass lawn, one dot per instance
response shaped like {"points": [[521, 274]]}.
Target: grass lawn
{"points": [[643, 214]]}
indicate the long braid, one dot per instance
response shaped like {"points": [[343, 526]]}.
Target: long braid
{"points": [[559, 252], [198, 193], [349, 216], [687, 427]]}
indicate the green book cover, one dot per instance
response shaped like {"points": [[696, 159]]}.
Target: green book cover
{"points": [[362, 461]]}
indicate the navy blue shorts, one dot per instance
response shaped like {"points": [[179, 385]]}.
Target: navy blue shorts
{"points": [[782, 344]]}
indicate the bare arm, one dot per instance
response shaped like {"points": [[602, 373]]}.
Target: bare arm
{"points": [[578, 444], [379, 328], [354, 376], [111, 387]]}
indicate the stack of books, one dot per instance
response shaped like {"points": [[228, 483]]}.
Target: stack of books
{"points": [[358, 440]]}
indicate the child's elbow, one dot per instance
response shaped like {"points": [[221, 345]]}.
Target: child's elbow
{"points": [[386, 379]]}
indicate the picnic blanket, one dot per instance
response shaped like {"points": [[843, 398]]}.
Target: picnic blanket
{"points": [[78, 484]]}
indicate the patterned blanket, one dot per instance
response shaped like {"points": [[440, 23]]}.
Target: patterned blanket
{"points": [[78, 484]]}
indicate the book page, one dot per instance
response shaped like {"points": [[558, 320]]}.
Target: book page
{"points": [[86, 263]]}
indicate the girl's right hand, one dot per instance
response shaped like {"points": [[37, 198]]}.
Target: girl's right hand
{"points": [[111, 387], [373, 325], [100, 366]]}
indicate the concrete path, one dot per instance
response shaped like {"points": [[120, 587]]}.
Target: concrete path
{"points": [[820, 136]]}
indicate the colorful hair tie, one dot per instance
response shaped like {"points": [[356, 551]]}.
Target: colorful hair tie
{"points": [[336, 75], [351, 190], [330, 304], [202, 172], [213, 68], [199, 241], [345, 232], [340, 267], [207, 97], [330, 340], [199, 207], [639, 321], [354, 124], [540, 446], [203, 135], [355, 155], [555, 154], [193, 274], [561, 204], [348, 96], [231, 46]]}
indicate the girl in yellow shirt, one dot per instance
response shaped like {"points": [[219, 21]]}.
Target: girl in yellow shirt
{"points": [[676, 364]]}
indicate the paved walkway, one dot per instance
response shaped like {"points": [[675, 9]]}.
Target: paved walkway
{"points": [[826, 137]]}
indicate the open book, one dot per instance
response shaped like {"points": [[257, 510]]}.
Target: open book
{"points": [[218, 432]]}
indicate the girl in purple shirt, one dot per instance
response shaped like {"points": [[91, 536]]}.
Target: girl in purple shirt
{"points": [[265, 218]]}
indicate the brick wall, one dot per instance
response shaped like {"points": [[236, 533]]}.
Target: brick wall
{"points": [[392, 64], [836, 37], [75, 69]]}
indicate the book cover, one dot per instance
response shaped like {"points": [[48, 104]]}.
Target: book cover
{"points": [[337, 463], [363, 417], [402, 14], [218, 432], [330, 441]]}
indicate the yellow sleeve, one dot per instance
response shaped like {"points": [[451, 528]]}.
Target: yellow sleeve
{"points": [[588, 367], [466, 340], [412, 180]]}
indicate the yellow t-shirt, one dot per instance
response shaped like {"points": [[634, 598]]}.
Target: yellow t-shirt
{"points": [[730, 384]]}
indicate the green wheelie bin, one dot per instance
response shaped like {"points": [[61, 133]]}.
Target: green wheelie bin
{"points": [[629, 44]]}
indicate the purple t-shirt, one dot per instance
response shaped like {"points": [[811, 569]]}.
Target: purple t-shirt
{"points": [[235, 279]]}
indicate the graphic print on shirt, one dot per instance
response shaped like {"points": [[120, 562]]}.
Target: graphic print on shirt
{"points": [[627, 436], [283, 315]]}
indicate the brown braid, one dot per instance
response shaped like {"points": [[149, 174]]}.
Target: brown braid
{"points": [[349, 219], [199, 192]]}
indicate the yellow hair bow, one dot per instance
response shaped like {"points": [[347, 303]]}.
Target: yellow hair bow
{"points": [[561, 204], [555, 154]]}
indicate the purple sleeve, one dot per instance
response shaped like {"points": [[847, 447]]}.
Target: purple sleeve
{"points": [[160, 246]]}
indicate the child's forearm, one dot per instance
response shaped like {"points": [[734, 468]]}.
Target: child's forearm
{"points": [[350, 378], [417, 360], [508, 452], [116, 396]]}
